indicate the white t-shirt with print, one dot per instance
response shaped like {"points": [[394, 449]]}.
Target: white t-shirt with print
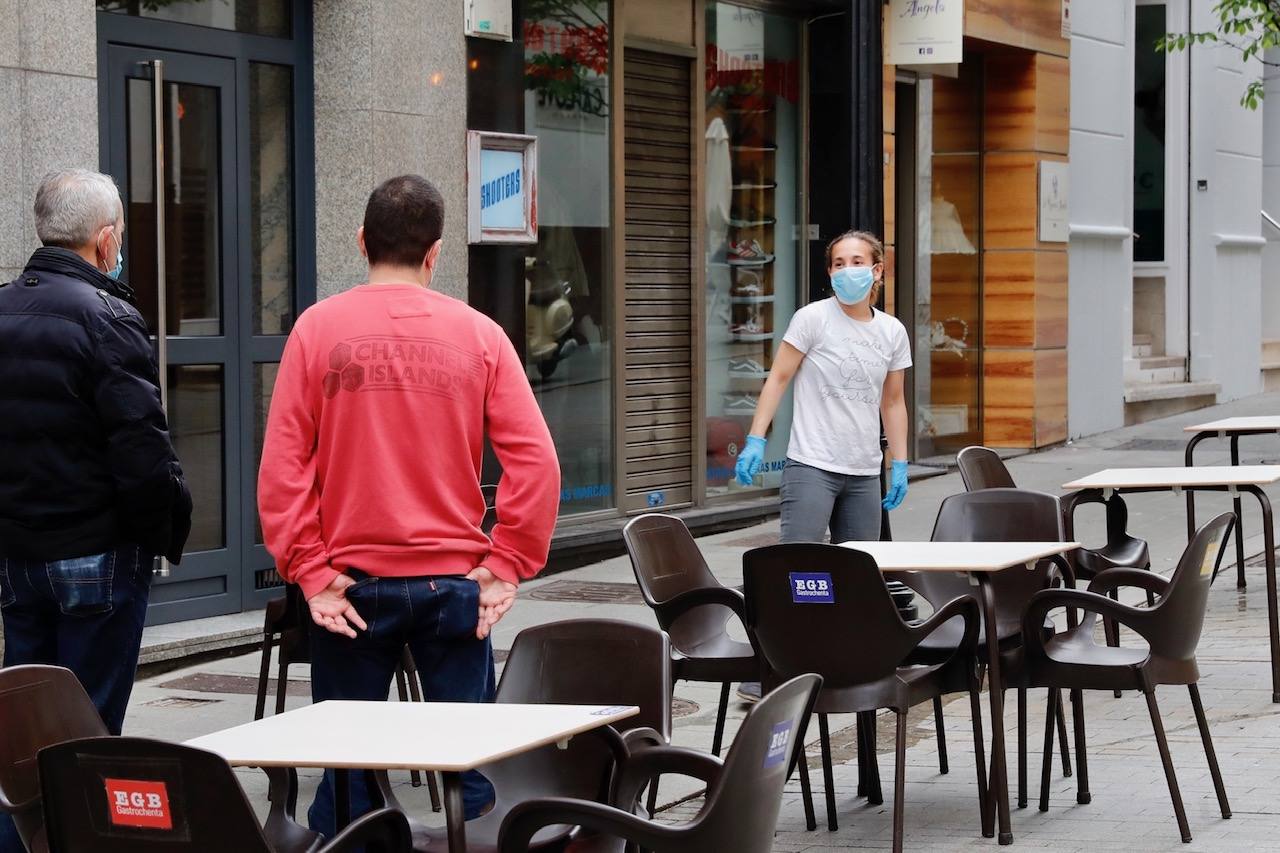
{"points": [[836, 419]]}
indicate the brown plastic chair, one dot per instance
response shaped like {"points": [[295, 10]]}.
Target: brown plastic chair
{"points": [[854, 637], [692, 607], [573, 662], [744, 793], [982, 468], [1171, 629], [198, 805], [40, 706], [998, 515]]}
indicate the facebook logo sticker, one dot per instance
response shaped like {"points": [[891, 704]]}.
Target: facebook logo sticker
{"points": [[779, 738], [812, 588]]}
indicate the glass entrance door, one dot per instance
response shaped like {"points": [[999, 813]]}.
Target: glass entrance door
{"points": [[206, 180]]}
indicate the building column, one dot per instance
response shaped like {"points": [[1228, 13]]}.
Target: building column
{"points": [[390, 99], [49, 97], [1025, 118]]}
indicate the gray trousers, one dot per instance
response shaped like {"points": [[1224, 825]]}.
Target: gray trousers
{"points": [[813, 500]]}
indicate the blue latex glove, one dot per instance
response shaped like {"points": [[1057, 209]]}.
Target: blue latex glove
{"points": [[750, 458], [897, 485]]}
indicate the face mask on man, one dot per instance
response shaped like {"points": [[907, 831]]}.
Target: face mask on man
{"points": [[115, 271], [852, 284]]}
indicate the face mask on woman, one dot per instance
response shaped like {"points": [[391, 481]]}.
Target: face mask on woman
{"points": [[852, 284]]}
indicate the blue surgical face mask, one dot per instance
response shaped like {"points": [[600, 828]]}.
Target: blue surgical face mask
{"points": [[115, 271], [852, 284]]}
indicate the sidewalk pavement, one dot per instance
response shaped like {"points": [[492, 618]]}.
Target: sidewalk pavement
{"points": [[1130, 808]]}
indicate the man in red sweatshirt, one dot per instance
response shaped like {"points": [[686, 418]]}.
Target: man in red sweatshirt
{"points": [[369, 489]]}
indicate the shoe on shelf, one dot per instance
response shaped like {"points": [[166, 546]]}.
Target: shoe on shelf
{"points": [[747, 368], [752, 223], [739, 404], [748, 283], [751, 327], [750, 692], [748, 251]]}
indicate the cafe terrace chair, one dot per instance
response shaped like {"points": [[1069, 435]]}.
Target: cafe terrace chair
{"points": [[125, 795], [39, 706], [837, 619], [998, 515], [692, 607], [1171, 628], [743, 797], [572, 662], [982, 468]]}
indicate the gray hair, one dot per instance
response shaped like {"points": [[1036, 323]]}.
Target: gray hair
{"points": [[73, 204]]}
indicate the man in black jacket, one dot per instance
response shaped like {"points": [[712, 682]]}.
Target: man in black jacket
{"points": [[91, 491]]}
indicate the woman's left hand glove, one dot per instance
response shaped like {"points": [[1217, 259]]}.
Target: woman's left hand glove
{"points": [[897, 485]]}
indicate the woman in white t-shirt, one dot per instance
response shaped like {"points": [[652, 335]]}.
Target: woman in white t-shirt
{"points": [[848, 361]]}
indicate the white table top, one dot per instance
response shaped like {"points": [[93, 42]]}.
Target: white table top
{"points": [[1178, 477], [958, 556], [1238, 424], [444, 736]]}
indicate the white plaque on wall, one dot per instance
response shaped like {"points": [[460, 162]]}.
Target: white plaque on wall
{"points": [[924, 32], [1066, 19], [489, 19], [1054, 220]]}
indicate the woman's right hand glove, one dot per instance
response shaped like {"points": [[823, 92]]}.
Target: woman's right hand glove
{"points": [[750, 458]]}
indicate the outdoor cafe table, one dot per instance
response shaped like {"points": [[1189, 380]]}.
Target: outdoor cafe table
{"points": [[978, 560], [1206, 478], [1232, 428], [448, 737]]}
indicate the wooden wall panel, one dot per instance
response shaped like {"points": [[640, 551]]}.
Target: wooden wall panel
{"points": [[956, 117], [1009, 108], [1051, 299], [890, 188], [1010, 204], [669, 21], [1008, 397], [1053, 103], [1028, 24], [1025, 299], [1051, 397]]}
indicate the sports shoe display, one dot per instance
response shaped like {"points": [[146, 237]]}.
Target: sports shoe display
{"points": [[739, 404], [748, 283], [747, 368], [748, 252]]}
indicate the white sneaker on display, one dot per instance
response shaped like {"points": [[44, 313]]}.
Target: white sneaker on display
{"points": [[747, 367]]}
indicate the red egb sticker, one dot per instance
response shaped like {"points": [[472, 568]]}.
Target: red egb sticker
{"points": [[135, 803]]}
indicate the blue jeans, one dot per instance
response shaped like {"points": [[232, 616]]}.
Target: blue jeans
{"points": [[436, 617], [85, 614], [813, 500]]}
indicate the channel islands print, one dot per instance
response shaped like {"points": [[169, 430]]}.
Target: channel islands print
{"points": [[378, 362]]}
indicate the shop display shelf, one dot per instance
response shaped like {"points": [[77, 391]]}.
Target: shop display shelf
{"points": [[752, 337], [750, 300], [751, 262]]}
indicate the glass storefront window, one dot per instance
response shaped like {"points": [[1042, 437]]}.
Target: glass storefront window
{"points": [[948, 358], [271, 196], [753, 220], [259, 17], [568, 343]]}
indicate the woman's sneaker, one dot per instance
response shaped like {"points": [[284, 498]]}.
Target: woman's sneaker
{"points": [[749, 692]]}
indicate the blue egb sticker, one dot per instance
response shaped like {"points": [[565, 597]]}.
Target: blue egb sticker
{"points": [[812, 588], [779, 739]]}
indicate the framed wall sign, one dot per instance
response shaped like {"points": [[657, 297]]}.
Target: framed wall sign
{"points": [[502, 187], [924, 32], [1054, 202]]}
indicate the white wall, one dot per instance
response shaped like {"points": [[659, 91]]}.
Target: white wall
{"points": [[1271, 202], [1226, 257], [1099, 322]]}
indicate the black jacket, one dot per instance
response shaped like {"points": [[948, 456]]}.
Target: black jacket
{"points": [[86, 464]]}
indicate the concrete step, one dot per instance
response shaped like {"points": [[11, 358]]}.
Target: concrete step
{"points": [[1271, 351], [1143, 392], [1141, 340], [1140, 351], [1155, 369]]}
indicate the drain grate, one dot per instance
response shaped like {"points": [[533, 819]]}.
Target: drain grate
{"points": [[180, 702], [758, 540], [683, 708], [240, 685], [587, 592], [1151, 444]]}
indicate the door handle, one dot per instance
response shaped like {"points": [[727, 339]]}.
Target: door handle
{"points": [[162, 319]]}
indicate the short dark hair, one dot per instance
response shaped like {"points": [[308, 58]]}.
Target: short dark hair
{"points": [[402, 221]]}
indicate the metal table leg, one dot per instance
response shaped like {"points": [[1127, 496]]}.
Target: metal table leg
{"points": [[1235, 460], [1191, 495], [455, 816], [1269, 556], [999, 786]]}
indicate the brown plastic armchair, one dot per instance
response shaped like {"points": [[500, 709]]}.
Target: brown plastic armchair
{"points": [[124, 794], [40, 706], [837, 619], [692, 607], [744, 793], [998, 515], [1171, 629], [572, 662]]}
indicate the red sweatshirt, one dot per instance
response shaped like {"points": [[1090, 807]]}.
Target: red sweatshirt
{"points": [[373, 445]]}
